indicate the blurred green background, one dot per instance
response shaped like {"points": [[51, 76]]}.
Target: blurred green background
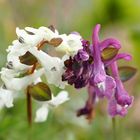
{"points": [[119, 19]]}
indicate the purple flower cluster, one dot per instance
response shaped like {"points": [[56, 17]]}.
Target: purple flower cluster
{"points": [[79, 68], [88, 69]]}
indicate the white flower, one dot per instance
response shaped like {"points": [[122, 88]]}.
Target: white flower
{"points": [[49, 34], [12, 83], [33, 37], [42, 112], [30, 36], [6, 98], [54, 67], [16, 50], [18, 47], [71, 44]]}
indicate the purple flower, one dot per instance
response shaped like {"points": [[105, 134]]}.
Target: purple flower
{"points": [[104, 84], [79, 68], [120, 100], [88, 68], [88, 110], [124, 56], [82, 56], [115, 109]]}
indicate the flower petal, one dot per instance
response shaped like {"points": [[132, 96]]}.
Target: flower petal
{"points": [[121, 94], [71, 44], [124, 56], [110, 86], [6, 98], [20, 83], [49, 34], [106, 88], [110, 42], [115, 109], [29, 39], [16, 50], [59, 99], [54, 67], [100, 76], [42, 114], [122, 97]]}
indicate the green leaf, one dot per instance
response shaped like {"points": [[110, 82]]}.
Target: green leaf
{"points": [[40, 91], [109, 53], [126, 73], [28, 59]]}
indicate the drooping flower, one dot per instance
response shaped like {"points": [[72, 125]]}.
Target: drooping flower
{"points": [[12, 82], [42, 112], [120, 101], [103, 83], [6, 98], [89, 68], [89, 109], [54, 67]]}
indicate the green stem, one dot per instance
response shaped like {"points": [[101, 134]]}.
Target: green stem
{"points": [[29, 107], [114, 128]]}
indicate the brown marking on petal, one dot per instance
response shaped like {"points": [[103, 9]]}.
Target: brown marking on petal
{"points": [[21, 39], [30, 33], [51, 27], [55, 42], [53, 69], [9, 65]]}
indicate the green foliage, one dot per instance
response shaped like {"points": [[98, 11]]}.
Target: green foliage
{"points": [[126, 73]]}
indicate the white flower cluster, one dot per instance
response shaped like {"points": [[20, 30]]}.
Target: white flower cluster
{"points": [[52, 67]]}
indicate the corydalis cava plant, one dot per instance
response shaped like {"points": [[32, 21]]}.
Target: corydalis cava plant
{"points": [[95, 67], [27, 63], [82, 65]]}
